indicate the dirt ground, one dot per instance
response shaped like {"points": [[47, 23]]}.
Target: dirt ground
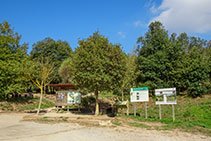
{"points": [[19, 127]]}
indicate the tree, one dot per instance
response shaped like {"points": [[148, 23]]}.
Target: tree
{"points": [[130, 75], [58, 51], [12, 55], [153, 59], [98, 65], [39, 73], [66, 70], [194, 72], [191, 65], [180, 62]]}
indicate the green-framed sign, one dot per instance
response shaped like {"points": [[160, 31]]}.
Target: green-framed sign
{"points": [[139, 94], [140, 89]]}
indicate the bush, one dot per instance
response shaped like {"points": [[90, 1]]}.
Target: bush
{"points": [[196, 90], [87, 101]]}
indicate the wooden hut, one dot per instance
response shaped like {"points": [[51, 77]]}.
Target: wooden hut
{"points": [[66, 94]]}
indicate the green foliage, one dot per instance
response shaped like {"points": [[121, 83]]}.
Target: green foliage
{"points": [[106, 94], [182, 62], [87, 101], [153, 59], [66, 70], [12, 56], [57, 51], [98, 64], [129, 77], [39, 74], [193, 72]]}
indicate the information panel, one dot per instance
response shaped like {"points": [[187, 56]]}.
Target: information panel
{"points": [[140, 94], [166, 96], [73, 98]]}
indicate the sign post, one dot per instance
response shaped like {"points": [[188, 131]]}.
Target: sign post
{"points": [[173, 113], [166, 96], [134, 108], [140, 94], [145, 110], [160, 112], [128, 107]]}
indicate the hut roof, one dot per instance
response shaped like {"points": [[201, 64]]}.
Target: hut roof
{"points": [[62, 85]]}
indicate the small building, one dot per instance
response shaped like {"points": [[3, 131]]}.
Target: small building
{"points": [[66, 94]]}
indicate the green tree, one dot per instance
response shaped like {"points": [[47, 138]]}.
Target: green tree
{"points": [[12, 55], [208, 66], [191, 71], [180, 62], [130, 75], [153, 59], [39, 73], [57, 51], [194, 72], [98, 65], [66, 70]]}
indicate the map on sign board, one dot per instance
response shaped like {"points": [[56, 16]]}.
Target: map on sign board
{"points": [[166, 96], [73, 98], [140, 94]]}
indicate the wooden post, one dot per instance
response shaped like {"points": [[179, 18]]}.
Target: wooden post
{"points": [[128, 107], [173, 113], [134, 106], [160, 111], [146, 110], [68, 108], [79, 108], [57, 109]]}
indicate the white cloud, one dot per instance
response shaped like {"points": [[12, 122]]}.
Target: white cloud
{"points": [[193, 16], [121, 34], [138, 24], [153, 9]]}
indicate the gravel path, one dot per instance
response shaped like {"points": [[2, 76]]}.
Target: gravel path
{"points": [[12, 128]]}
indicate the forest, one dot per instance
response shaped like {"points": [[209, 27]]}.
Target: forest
{"points": [[160, 60]]}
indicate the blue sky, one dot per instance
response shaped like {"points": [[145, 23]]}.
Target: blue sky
{"points": [[122, 21]]}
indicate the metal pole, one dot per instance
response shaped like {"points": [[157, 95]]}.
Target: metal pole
{"points": [[134, 106], [173, 112], [128, 107], [146, 110], [160, 111]]}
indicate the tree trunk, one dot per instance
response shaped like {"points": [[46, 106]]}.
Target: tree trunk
{"points": [[44, 90], [122, 95], [41, 95], [97, 104]]}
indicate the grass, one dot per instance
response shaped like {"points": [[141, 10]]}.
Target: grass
{"points": [[22, 103], [45, 119], [135, 124], [63, 118], [192, 115], [48, 119], [6, 106], [45, 104], [117, 122]]}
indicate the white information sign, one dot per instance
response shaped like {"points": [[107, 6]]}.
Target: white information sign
{"points": [[140, 94], [73, 98], [166, 96]]}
